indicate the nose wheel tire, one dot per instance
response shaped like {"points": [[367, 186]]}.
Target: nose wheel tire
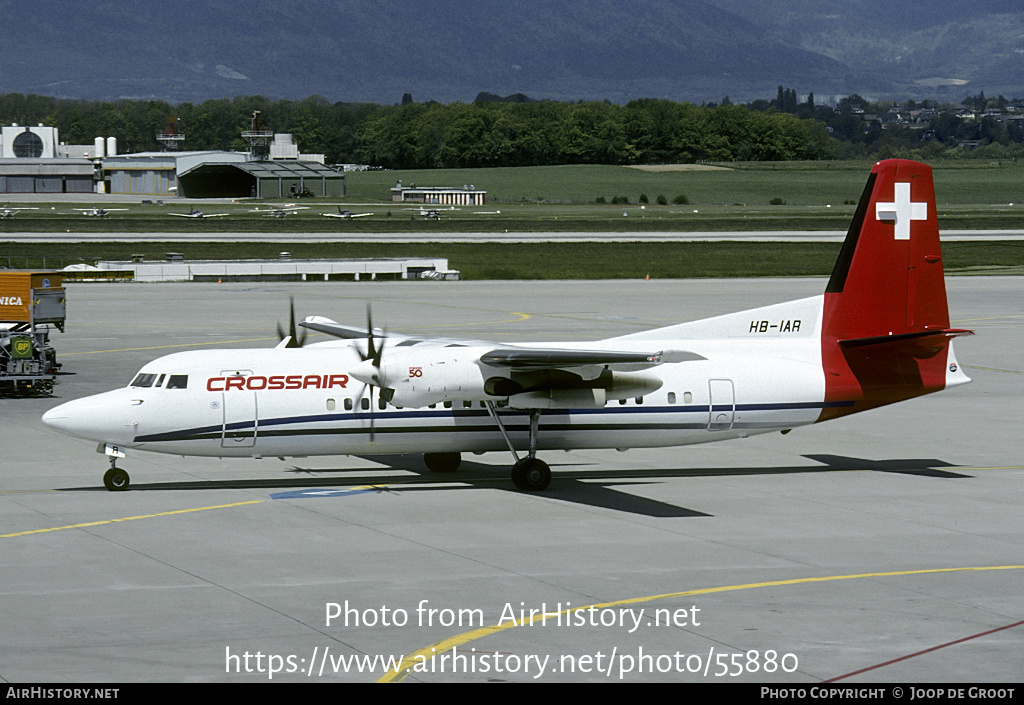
{"points": [[116, 480], [531, 475]]}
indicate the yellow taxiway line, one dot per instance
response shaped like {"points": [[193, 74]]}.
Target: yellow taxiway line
{"points": [[141, 516], [424, 655]]}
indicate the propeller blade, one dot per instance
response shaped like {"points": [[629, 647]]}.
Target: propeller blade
{"points": [[374, 353], [294, 339]]}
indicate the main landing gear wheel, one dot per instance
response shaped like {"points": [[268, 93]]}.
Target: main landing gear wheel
{"points": [[442, 462], [531, 475], [116, 480]]}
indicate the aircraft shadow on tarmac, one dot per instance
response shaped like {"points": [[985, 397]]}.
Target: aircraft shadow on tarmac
{"points": [[589, 487]]}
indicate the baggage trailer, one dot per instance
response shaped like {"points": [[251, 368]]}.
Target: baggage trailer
{"points": [[30, 304]]}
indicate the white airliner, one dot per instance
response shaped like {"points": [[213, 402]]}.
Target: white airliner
{"points": [[879, 334]]}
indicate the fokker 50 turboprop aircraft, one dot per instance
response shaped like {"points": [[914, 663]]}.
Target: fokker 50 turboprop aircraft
{"points": [[879, 334]]}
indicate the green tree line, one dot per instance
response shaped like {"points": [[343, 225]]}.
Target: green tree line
{"points": [[546, 133], [489, 133], [432, 135]]}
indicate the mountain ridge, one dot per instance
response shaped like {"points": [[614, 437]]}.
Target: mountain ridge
{"points": [[450, 50]]}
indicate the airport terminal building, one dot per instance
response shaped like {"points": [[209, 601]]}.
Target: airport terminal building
{"points": [[438, 195], [33, 160]]}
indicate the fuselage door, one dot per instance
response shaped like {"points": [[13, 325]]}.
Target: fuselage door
{"points": [[240, 414], [722, 404]]}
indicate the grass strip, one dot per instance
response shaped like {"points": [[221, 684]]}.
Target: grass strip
{"points": [[540, 260]]}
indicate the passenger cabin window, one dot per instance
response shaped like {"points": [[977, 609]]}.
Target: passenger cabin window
{"points": [[177, 382], [671, 397], [348, 403]]}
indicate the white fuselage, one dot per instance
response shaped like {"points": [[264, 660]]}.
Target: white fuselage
{"points": [[762, 373]]}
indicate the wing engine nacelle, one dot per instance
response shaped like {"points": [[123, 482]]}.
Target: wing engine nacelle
{"points": [[415, 379], [568, 391], [418, 379]]}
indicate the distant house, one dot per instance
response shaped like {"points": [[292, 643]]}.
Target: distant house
{"points": [[438, 195]]}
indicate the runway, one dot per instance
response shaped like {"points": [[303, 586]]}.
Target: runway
{"points": [[887, 547], [447, 236]]}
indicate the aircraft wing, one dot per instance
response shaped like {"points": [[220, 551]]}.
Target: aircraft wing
{"points": [[551, 358], [514, 357], [338, 330]]}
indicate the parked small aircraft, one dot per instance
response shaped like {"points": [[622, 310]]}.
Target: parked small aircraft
{"points": [[98, 212], [879, 334], [345, 214], [8, 212], [196, 213], [280, 212]]}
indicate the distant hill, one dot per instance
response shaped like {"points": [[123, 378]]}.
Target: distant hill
{"points": [[452, 50], [912, 48]]}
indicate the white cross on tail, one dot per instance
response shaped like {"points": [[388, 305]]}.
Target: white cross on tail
{"points": [[902, 211]]}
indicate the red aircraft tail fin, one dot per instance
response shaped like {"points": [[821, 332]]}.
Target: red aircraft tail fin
{"points": [[885, 332]]}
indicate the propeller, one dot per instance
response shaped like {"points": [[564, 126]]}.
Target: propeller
{"points": [[368, 370], [291, 339]]}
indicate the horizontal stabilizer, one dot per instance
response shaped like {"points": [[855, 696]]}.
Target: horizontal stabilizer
{"points": [[928, 342]]}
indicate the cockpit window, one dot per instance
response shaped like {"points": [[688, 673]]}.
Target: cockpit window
{"points": [[178, 382], [143, 380]]}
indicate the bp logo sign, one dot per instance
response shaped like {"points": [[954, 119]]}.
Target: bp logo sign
{"points": [[21, 348]]}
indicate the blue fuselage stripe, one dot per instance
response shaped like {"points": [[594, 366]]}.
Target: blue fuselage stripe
{"points": [[552, 419]]}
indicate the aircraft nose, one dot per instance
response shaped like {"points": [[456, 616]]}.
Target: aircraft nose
{"points": [[57, 418], [98, 418]]}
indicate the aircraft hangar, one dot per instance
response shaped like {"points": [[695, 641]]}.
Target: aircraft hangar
{"points": [[259, 179], [33, 160], [38, 175]]}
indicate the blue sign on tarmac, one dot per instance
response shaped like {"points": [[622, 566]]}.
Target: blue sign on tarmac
{"points": [[319, 493]]}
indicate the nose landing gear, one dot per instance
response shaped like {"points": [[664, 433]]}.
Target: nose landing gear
{"points": [[115, 479]]}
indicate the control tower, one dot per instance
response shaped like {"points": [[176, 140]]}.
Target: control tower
{"points": [[259, 139], [170, 138]]}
